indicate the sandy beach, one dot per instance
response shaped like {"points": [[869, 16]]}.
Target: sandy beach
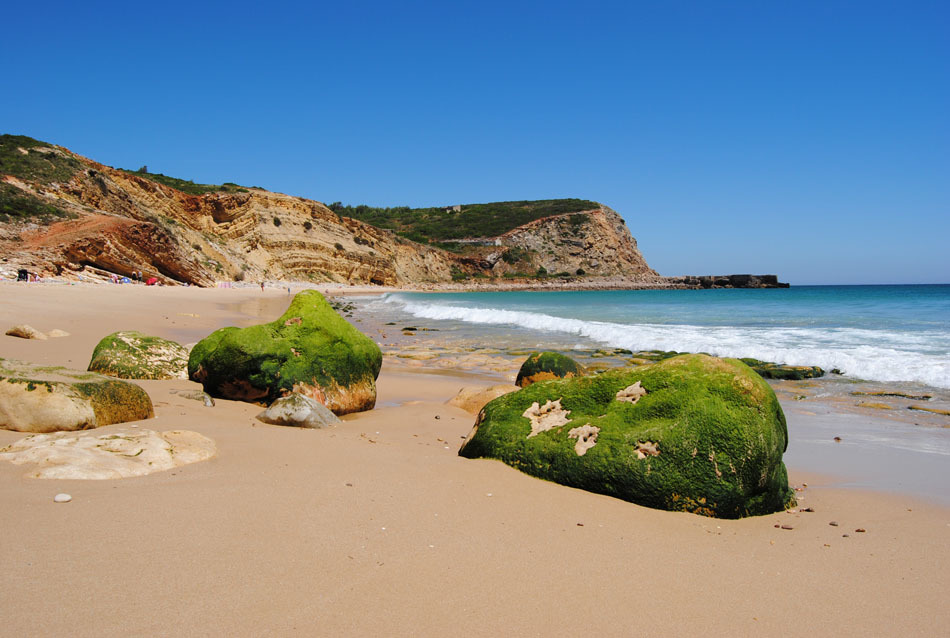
{"points": [[377, 527]]}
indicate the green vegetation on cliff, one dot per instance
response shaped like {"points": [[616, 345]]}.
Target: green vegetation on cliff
{"points": [[426, 225], [18, 205], [35, 161], [186, 185]]}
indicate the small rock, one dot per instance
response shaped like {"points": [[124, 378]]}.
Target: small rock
{"points": [[787, 527], [806, 509], [833, 523], [56, 332], [25, 332], [846, 536], [437, 417], [860, 530], [298, 410], [837, 439], [62, 498]]}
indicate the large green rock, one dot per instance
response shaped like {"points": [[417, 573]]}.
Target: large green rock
{"points": [[310, 350], [52, 398], [542, 366], [693, 433], [132, 355]]}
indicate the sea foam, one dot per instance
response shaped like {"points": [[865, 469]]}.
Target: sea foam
{"points": [[877, 355]]}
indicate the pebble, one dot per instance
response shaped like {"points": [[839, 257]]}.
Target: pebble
{"points": [[833, 523], [787, 527], [806, 509], [860, 530], [62, 498]]}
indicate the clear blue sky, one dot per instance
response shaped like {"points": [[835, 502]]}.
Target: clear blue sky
{"points": [[807, 139]]}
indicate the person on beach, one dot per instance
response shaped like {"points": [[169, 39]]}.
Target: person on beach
{"points": [[262, 286]]}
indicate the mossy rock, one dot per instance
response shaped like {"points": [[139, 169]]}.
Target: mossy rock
{"points": [[692, 433], [542, 366], [310, 350], [51, 398], [783, 372], [132, 355]]}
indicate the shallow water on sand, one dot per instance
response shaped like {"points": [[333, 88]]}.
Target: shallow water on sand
{"points": [[883, 445]]}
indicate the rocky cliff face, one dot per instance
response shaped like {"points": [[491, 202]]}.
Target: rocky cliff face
{"points": [[123, 223], [594, 242]]}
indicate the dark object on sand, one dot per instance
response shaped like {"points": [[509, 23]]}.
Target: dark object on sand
{"points": [[22, 275]]}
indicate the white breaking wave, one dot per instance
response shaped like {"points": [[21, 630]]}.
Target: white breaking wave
{"points": [[866, 354]]}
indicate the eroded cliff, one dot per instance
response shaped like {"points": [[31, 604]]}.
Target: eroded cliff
{"points": [[114, 221]]}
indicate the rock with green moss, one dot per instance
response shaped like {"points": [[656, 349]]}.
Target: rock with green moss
{"points": [[310, 350], [542, 366], [132, 355], [784, 372], [51, 398], [692, 433]]}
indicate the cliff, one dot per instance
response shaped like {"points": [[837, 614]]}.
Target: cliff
{"points": [[65, 215], [100, 220]]}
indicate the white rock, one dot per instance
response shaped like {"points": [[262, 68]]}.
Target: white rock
{"points": [[119, 453], [62, 498], [298, 411]]}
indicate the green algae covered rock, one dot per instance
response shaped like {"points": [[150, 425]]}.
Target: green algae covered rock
{"points": [[542, 366], [310, 350], [52, 398], [784, 372], [132, 355], [692, 433]]}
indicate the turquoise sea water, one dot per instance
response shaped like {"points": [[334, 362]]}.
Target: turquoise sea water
{"points": [[878, 333]]}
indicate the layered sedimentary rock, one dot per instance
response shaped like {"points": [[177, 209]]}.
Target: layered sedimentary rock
{"points": [[126, 224], [594, 242]]}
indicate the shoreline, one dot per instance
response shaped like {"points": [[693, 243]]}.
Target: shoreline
{"points": [[376, 525]]}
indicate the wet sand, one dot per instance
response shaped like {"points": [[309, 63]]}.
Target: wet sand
{"points": [[377, 526]]}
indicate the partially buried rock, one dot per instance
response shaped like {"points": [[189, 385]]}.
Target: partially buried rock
{"points": [[542, 366], [132, 355], [472, 400], [119, 453], [24, 331], [693, 433], [48, 399], [196, 395], [310, 350], [298, 411]]}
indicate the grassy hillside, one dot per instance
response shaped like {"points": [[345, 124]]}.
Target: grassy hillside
{"points": [[19, 206], [186, 185], [474, 220], [35, 161]]}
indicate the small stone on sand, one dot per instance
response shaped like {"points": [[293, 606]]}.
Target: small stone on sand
{"points": [[62, 498]]}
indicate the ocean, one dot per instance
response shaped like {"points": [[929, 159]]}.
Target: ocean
{"points": [[881, 338], [898, 333]]}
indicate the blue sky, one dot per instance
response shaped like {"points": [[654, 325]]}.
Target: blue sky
{"points": [[807, 139]]}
